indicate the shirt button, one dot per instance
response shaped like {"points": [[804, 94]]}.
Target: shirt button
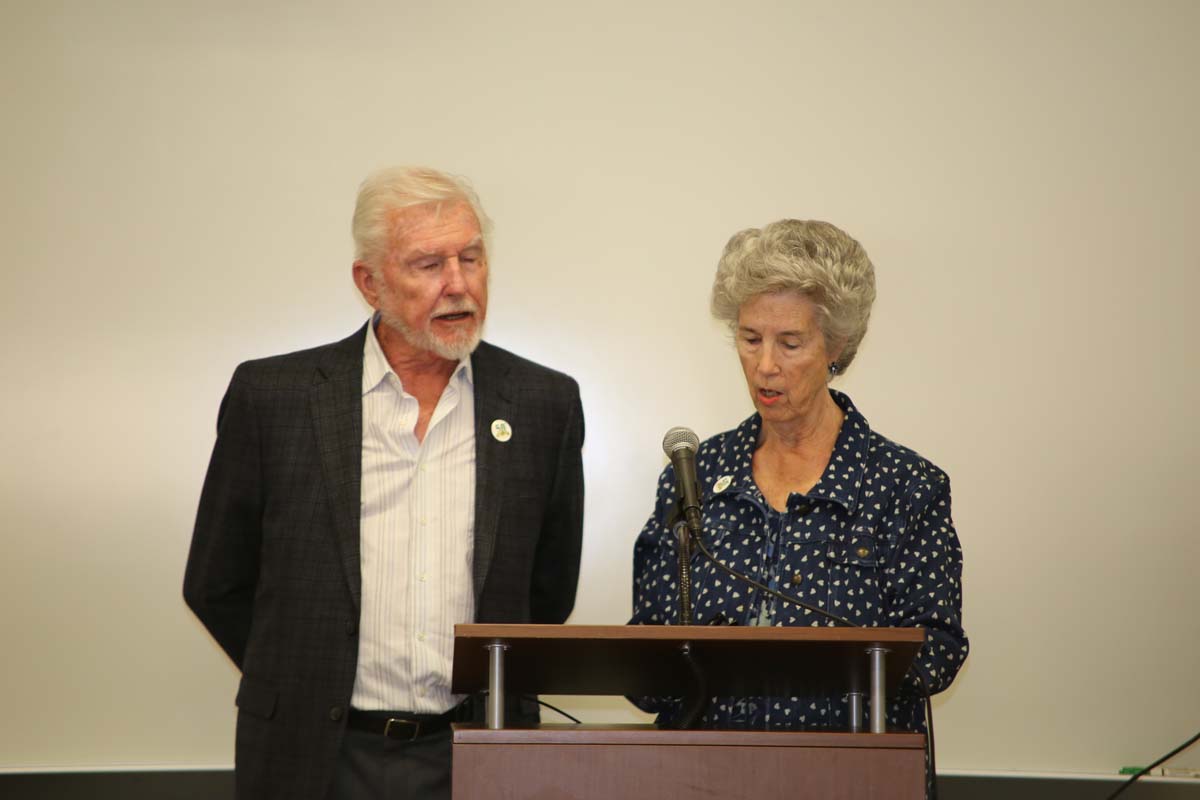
{"points": [[863, 552], [423, 520], [420, 637], [335, 713], [797, 579], [423, 577]]}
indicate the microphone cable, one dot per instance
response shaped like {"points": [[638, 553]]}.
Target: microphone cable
{"points": [[931, 787], [535, 699], [556, 709], [1146, 770], [699, 696], [841, 621]]}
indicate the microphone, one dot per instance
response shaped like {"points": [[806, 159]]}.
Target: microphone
{"points": [[680, 444]]}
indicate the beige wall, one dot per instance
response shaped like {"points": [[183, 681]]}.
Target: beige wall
{"points": [[178, 183]]}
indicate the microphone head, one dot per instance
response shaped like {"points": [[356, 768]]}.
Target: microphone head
{"points": [[680, 438]]}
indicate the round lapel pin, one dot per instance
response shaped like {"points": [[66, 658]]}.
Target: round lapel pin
{"points": [[501, 430]]}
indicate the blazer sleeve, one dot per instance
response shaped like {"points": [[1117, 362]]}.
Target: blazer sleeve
{"points": [[223, 562], [556, 561]]}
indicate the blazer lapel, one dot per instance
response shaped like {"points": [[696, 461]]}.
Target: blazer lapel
{"points": [[337, 421], [493, 401]]}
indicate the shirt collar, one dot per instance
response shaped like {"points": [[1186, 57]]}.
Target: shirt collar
{"points": [[376, 367], [843, 476]]}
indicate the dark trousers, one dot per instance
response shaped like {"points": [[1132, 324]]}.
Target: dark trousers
{"points": [[373, 767]]}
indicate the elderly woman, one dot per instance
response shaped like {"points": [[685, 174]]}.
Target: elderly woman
{"points": [[804, 496]]}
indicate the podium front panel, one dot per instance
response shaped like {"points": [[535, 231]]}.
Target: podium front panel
{"points": [[632, 762]]}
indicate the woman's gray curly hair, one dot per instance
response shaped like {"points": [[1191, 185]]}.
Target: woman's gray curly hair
{"points": [[818, 260]]}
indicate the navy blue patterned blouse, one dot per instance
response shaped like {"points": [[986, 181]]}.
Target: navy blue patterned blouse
{"points": [[872, 542]]}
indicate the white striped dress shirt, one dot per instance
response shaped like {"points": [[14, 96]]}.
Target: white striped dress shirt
{"points": [[417, 539]]}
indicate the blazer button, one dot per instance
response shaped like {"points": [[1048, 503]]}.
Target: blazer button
{"points": [[351, 628], [863, 552], [797, 579], [335, 713]]}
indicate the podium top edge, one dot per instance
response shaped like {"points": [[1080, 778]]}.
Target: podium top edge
{"points": [[686, 633]]}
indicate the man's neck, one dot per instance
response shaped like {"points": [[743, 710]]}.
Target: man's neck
{"points": [[422, 373]]}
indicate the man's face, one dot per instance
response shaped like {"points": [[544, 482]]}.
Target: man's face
{"points": [[431, 288]]}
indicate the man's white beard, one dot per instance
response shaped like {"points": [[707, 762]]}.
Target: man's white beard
{"points": [[454, 349]]}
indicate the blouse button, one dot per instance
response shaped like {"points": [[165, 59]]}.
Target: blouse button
{"points": [[863, 552], [797, 579]]}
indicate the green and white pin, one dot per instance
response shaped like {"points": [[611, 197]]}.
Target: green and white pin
{"points": [[501, 430]]}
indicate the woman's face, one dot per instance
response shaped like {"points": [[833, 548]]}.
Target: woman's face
{"points": [[783, 355]]}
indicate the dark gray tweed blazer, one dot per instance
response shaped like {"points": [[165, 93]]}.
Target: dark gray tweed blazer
{"points": [[273, 571]]}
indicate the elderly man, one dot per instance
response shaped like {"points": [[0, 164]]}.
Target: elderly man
{"points": [[365, 496]]}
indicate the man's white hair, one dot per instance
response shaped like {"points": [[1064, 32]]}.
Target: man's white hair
{"points": [[388, 190]]}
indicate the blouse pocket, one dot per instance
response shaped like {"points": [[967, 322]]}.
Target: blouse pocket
{"points": [[856, 579]]}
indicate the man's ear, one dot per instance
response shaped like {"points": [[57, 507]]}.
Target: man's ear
{"points": [[364, 279]]}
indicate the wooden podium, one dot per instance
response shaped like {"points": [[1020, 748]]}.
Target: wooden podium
{"points": [[623, 762]]}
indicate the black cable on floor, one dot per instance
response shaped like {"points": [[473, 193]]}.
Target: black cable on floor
{"points": [[1146, 770]]}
